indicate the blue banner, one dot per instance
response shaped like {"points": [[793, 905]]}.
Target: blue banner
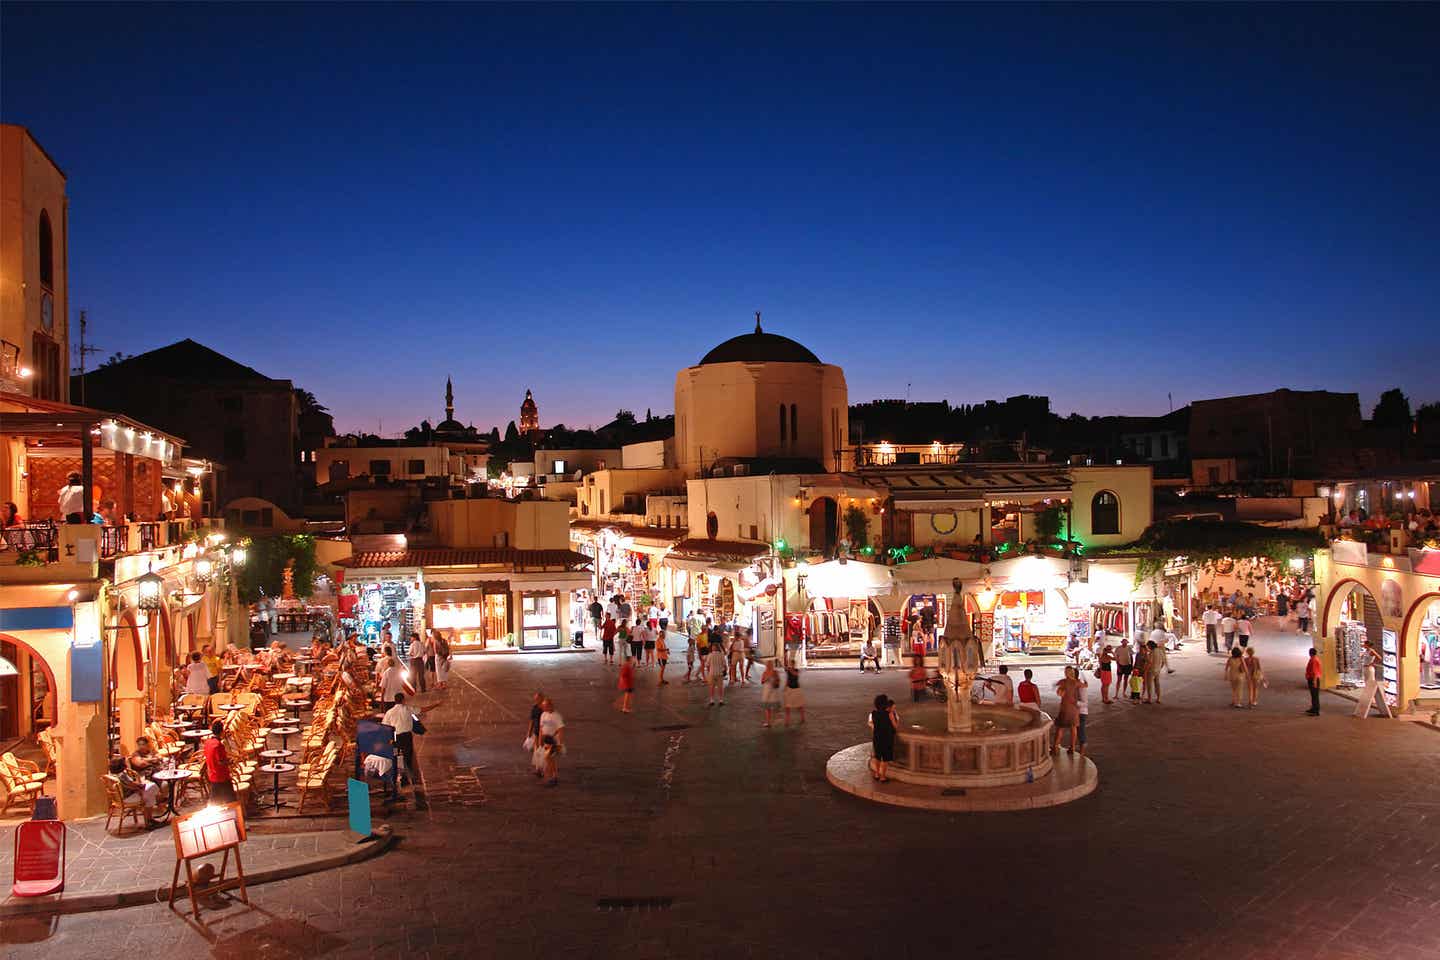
{"points": [[359, 794]]}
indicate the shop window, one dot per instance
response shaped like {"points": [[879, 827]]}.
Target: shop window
{"points": [[47, 251], [558, 467], [540, 622], [1105, 513], [416, 467], [379, 468]]}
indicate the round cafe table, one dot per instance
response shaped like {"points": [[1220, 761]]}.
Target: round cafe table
{"points": [[231, 707], [282, 676], [303, 664], [297, 706], [277, 766], [284, 733], [170, 778], [196, 737], [178, 724]]}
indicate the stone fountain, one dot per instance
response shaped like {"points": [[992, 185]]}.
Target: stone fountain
{"points": [[970, 757]]}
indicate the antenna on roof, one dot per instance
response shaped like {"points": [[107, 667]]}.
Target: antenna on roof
{"points": [[83, 349], [757, 322]]}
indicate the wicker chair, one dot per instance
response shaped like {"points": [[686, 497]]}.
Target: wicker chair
{"points": [[119, 803]]}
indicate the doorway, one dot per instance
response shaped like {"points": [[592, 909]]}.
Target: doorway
{"points": [[824, 515]]}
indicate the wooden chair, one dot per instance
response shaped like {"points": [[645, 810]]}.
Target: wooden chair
{"points": [[23, 791], [46, 739], [119, 803]]}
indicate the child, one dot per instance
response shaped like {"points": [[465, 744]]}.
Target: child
{"points": [[1137, 684], [917, 680], [627, 684], [551, 750]]}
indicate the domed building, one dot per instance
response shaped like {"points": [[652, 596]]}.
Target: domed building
{"points": [[529, 416], [760, 396]]}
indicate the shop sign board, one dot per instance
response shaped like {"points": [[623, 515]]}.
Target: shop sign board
{"points": [[764, 630]]}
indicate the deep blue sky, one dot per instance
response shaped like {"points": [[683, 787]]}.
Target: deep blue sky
{"points": [[1104, 204]]}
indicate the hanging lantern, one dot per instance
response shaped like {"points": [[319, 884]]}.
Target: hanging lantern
{"points": [[150, 587], [237, 556], [204, 569]]}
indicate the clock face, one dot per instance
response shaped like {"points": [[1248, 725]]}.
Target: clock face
{"points": [[47, 312]]}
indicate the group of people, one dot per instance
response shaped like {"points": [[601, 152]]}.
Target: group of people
{"points": [[545, 739], [1235, 626], [135, 773], [1135, 668]]}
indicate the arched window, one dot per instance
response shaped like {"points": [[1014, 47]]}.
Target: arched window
{"points": [[782, 427], [1105, 513], [712, 526], [794, 431], [47, 251]]}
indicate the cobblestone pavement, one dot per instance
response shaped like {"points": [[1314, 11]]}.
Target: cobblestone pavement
{"points": [[682, 831]]}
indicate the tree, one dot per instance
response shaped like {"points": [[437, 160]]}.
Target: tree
{"points": [[114, 358], [1393, 410], [264, 569], [512, 435], [625, 418]]}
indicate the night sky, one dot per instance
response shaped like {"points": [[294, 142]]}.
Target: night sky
{"points": [[1103, 204]]}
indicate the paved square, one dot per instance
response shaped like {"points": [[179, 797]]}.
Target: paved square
{"points": [[1214, 833]]}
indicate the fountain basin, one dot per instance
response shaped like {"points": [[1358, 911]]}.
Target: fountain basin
{"points": [[1007, 746]]}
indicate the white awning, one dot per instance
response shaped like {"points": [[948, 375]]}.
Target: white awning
{"points": [[935, 575], [847, 579]]}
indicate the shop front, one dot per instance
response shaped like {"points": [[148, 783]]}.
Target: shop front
{"points": [[842, 609], [627, 561], [1391, 601], [370, 601]]}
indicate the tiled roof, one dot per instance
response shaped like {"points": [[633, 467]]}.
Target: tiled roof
{"points": [[632, 530], [725, 549], [451, 557]]}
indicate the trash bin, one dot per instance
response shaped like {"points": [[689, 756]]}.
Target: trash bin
{"points": [[44, 809]]}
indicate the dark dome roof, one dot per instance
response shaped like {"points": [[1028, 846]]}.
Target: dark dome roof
{"points": [[760, 347]]}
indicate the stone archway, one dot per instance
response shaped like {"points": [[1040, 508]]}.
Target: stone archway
{"points": [[127, 678], [824, 525], [1345, 657], [51, 703], [1410, 631]]}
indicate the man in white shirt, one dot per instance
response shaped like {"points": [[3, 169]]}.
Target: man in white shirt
{"points": [[1227, 627], [1302, 614], [402, 718], [1211, 619], [1157, 636], [71, 500], [392, 683]]}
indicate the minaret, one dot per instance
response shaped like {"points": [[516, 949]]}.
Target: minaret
{"points": [[757, 322], [449, 400]]}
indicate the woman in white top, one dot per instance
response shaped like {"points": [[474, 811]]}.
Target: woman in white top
{"points": [[552, 741], [197, 676]]}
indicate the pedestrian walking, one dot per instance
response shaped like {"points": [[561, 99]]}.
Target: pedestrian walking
{"points": [[444, 657], [1371, 660], [1254, 676], [739, 645], [1211, 619], [1227, 628], [649, 638], [1235, 676], [626, 684], [1124, 666], [1313, 672], [532, 734], [689, 656], [662, 656], [1067, 718], [1105, 672], [883, 723], [715, 672], [1082, 707], [1302, 614], [597, 616], [664, 618], [402, 718], [1242, 630], [769, 693], [793, 698], [418, 653], [641, 637], [1157, 661], [608, 630]]}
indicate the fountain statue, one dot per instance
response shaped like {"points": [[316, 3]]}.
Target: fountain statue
{"points": [[961, 657]]}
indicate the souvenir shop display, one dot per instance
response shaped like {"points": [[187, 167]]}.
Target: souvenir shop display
{"points": [[1390, 663], [1349, 647], [1429, 651]]}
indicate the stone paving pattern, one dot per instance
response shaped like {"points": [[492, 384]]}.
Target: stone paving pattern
{"points": [[1214, 833]]}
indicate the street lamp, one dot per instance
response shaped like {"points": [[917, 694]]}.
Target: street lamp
{"points": [[150, 587], [237, 556], [204, 569]]}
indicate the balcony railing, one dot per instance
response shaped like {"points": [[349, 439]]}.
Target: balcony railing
{"points": [[42, 538]]}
